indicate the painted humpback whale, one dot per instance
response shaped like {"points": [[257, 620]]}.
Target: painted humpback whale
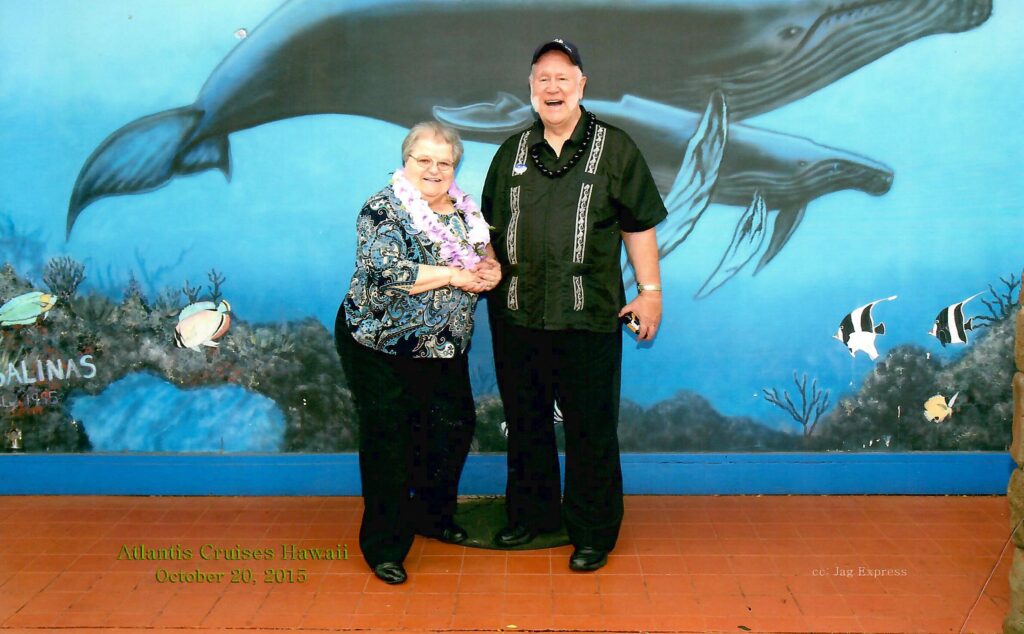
{"points": [[786, 172], [397, 60]]}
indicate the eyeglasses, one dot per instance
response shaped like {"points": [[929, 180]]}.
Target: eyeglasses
{"points": [[425, 163]]}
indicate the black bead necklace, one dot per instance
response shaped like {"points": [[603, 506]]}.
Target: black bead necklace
{"points": [[575, 158]]}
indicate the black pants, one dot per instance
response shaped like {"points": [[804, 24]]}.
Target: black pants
{"points": [[582, 370], [416, 422]]}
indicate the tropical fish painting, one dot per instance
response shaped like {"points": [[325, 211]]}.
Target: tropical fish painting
{"points": [[937, 410], [201, 324], [26, 309], [950, 326], [858, 330]]}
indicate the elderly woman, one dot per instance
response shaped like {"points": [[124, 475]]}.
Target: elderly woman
{"points": [[402, 334]]}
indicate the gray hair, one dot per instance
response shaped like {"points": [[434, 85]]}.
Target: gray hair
{"points": [[433, 128]]}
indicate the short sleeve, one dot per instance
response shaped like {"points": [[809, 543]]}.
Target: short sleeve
{"points": [[489, 192], [637, 197]]}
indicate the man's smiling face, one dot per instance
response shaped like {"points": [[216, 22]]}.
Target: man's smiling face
{"points": [[556, 87]]}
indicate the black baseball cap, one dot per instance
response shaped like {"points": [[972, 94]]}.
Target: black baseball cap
{"points": [[558, 44]]}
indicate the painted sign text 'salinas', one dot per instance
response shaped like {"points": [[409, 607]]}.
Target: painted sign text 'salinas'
{"points": [[26, 372]]}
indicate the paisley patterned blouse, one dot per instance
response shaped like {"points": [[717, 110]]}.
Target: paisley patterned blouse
{"points": [[379, 310]]}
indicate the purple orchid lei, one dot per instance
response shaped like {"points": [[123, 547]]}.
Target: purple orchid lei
{"points": [[453, 250]]}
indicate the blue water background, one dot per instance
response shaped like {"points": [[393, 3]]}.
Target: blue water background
{"points": [[142, 412], [941, 111]]}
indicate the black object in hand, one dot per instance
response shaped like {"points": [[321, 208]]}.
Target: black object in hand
{"points": [[632, 322]]}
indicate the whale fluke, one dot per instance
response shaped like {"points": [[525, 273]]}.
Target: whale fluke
{"points": [[507, 114], [747, 241], [143, 156]]}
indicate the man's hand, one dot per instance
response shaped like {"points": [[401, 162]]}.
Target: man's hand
{"points": [[642, 249], [482, 277], [647, 307], [490, 272]]}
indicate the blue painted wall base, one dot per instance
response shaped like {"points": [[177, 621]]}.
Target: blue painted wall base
{"points": [[959, 473]]}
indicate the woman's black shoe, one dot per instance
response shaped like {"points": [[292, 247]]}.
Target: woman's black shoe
{"points": [[390, 572]]}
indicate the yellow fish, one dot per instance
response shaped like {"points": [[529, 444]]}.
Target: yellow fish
{"points": [[936, 410]]}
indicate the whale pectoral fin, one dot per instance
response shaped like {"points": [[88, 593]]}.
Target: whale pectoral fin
{"points": [[507, 114], [143, 156], [785, 224], [747, 241], [695, 181]]}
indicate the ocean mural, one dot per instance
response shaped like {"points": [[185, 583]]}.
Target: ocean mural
{"points": [[181, 182]]}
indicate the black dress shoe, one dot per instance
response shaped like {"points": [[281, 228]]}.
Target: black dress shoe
{"points": [[390, 572], [515, 535], [587, 559], [451, 534]]}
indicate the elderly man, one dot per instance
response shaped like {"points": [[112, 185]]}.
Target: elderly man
{"points": [[562, 197]]}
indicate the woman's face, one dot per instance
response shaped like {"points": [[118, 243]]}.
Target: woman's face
{"points": [[431, 168]]}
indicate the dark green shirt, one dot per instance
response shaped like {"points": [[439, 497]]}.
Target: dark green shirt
{"points": [[558, 238]]}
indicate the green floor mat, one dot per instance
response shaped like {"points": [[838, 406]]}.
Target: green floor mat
{"points": [[483, 517]]}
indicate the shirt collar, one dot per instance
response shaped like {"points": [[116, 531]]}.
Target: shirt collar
{"points": [[579, 133]]}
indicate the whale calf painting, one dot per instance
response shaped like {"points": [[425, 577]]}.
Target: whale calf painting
{"points": [[788, 172]]}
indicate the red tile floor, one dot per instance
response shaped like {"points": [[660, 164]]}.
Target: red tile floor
{"points": [[691, 564]]}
